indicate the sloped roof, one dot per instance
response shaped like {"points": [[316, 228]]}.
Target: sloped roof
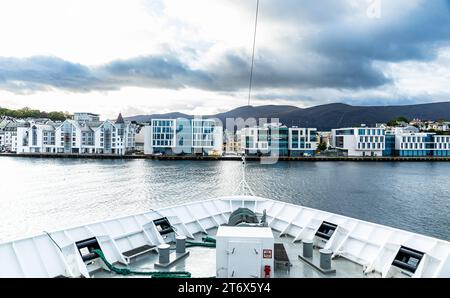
{"points": [[46, 127], [120, 119], [86, 128]]}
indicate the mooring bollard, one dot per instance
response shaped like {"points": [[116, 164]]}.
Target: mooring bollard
{"points": [[307, 248], [325, 259], [164, 253], [181, 244]]}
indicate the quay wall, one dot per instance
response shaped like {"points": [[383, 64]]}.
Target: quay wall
{"points": [[236, 158]]}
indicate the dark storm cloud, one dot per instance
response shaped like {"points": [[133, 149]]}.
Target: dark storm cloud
{"points": [[326, 44], [233, 72]]}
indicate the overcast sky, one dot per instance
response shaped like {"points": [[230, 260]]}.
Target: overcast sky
{"points": [[155, 56]]}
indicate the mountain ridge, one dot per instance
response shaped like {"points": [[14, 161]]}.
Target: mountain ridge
{"points": [[324, 117]]}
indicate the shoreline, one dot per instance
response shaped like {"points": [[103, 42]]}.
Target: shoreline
{"points": [[233, 158]]}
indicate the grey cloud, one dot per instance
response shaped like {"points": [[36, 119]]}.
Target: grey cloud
{"points": [[270, 72], [416, 36], [42, 72], [152, 71], [45, 72], [337, 45], [333, 52]]}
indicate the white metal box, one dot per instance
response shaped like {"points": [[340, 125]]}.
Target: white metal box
{"points": [[244, 252]]}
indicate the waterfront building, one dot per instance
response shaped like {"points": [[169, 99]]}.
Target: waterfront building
{"points": [[325, 137], [139, 140], [115, 137], [183, 136], [232, 144], [303, 141], [414, 144], [410, 142], [359, 141], [389, 144], [8, 134], [77, 136], [422, 144], [3, 123], [207, 137], [275, 139], [441, 145]]}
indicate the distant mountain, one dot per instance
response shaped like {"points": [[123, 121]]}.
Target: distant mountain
{"points": [[147, 118], [326, 117]]}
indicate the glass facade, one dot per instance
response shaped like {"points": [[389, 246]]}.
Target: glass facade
{"points": [[184, 136], [389, 145], [279, 140], [203, 133], [412, 145], [267, 141], [302, 141], [163, 133]]}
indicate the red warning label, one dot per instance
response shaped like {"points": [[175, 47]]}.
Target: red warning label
{"points": [[267, 253]]}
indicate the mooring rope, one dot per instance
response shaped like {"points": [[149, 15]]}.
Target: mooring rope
{"points": [[128, 271]]}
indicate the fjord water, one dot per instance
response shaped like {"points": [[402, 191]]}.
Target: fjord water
{"points": [[48, 194]]}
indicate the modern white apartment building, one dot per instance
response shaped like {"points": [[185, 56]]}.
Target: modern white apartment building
{"points": [[293, 141], [410, 142], [72, 136], [359, 141], [303, 141], [255, 140], [413, 144], [183, 136]]}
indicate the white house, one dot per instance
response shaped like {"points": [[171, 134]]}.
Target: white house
{"points": [[77, 136], [8, 135]]}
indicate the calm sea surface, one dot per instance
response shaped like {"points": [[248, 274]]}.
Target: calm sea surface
{"points": [[46, 194]]}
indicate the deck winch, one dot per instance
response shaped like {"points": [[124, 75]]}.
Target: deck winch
{"points": [[242, 216]]}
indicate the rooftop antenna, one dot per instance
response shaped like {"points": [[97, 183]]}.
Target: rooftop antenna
{"points": [[253, 54]]}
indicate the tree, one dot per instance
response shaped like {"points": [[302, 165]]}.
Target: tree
{"points": [[322, 146], [402, 119], [27, 112], [395, 121]]}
